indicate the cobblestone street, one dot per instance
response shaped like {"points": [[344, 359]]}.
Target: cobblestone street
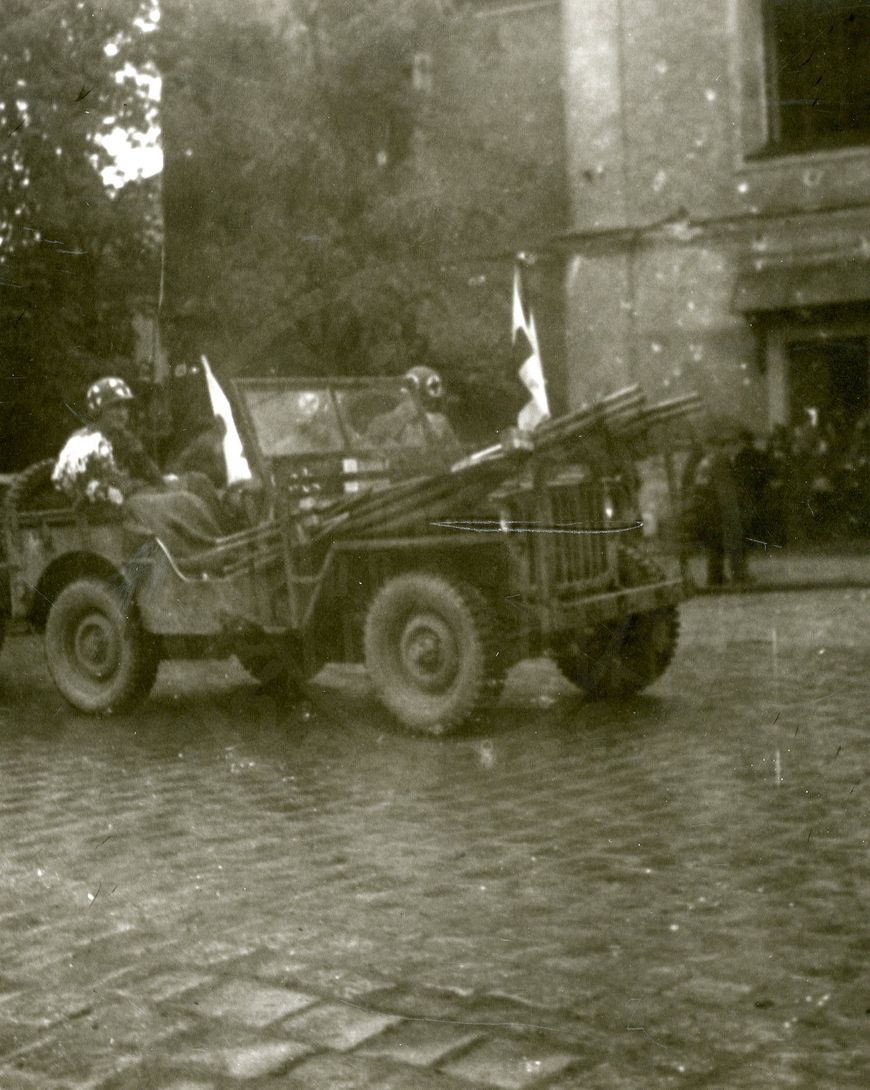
{"points": [[666, 892]]}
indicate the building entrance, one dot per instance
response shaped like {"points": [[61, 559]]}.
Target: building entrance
{"points": [[830, 376]]}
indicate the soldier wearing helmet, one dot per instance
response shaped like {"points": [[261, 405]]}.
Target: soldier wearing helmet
{"points": [[405, 426], [105, 463], [427, 383], [108, 402], [105, 393]]}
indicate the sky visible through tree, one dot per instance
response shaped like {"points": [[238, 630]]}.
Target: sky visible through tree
{"points": [[308, 187], [80, 224]]}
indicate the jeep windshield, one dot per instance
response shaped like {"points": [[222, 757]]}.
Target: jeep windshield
{"points": [[290, 417]]}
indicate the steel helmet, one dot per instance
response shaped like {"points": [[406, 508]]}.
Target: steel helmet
{"points": [[307, 405], [425, 381], [105, 392]]}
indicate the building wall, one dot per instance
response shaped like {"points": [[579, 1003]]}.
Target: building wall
{"points": [[677, 210], [496, 124]]}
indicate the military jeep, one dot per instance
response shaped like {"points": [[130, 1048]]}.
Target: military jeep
{"points": [[437, 574]]}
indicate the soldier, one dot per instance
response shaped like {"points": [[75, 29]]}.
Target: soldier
{"points": [[205, 454], [752, 473], [719, 515], [104, 464], [404, 426]]}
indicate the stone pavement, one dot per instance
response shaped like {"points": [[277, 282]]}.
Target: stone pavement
{"points": [[213, 1019], [223, 892]]}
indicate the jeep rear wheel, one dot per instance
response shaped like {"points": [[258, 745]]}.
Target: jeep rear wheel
{"points": [[100, 658], [430, 651]]}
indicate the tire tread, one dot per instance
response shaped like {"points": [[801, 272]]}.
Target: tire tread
{"points": [[466, 597], [604, 668], [146, 659]]}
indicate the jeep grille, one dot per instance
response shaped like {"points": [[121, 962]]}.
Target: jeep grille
{"points": [[563, 536]]}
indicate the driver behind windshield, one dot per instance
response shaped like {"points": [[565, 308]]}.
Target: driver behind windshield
{"points": [[403, 426]]}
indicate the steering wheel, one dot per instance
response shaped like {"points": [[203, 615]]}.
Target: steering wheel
{"points": [[249, 501]]}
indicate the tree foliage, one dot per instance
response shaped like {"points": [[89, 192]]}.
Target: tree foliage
{"points": [[339, 175], [74, 255], [329, 206]]}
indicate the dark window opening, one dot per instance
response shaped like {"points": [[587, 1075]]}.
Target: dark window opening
{"points": [[818, 73], [829, 379]]}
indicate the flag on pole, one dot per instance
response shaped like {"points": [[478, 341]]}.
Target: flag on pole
{"points": [[525, 341], [234, 454]]}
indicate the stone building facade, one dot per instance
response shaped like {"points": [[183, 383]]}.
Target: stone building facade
{"points": [[718, 164]]}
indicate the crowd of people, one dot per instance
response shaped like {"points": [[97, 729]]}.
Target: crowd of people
{"points": [[800, 485]]}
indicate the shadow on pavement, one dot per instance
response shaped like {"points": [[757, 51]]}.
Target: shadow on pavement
{"points": [[198, 706]]}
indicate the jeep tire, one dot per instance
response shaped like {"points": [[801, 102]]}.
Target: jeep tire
{"points": [[621, 658], [628, 655], [430, 650], [98, 654]]}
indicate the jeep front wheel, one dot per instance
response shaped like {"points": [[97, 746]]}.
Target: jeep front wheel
{"points": [[429, 649], [100, 658], [624, 657]]}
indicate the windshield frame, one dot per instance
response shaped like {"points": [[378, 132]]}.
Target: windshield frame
{"points": [[352, 443]]}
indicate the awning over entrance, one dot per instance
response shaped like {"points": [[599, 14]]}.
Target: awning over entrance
{"points": [[787, 283]]}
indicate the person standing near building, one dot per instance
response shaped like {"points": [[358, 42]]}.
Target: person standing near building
{"points": [[776, 495], [719, 517], [752, 472]]}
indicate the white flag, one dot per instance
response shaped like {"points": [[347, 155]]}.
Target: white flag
{"points": [[234, 454], [525, 341]]}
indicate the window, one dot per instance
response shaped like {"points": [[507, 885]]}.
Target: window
{"points": [[828, 377], [818, 73]]}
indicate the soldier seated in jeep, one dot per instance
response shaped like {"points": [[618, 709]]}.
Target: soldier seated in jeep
{"points": [[403, 425], [103, 466]]}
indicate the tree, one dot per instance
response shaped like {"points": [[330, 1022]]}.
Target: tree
{"points": [[74, 254], [329, 207]]}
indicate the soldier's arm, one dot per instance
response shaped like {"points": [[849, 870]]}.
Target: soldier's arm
{"points": [[133, 459]]}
